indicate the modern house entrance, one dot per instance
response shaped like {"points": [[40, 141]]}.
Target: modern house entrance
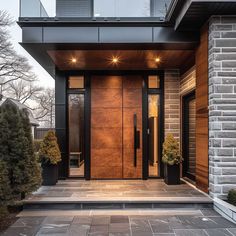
{"points": [[118, 111]]}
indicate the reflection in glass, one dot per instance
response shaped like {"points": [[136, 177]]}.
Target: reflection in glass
{"points": [[153, 122], [153, 81], [76, 82], [76, 135], [121, 8], [191, 137]]}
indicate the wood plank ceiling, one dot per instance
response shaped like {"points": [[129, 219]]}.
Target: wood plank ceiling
{"points": [[127, 59]]}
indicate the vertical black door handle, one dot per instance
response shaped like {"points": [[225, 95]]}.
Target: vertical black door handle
{"points": [[135, 140]]}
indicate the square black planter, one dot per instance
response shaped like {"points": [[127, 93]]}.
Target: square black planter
{"points": [[172, 174], [49, 174]]}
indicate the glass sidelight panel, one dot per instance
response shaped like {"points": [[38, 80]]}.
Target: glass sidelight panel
{"points": [[76, 135], [153, 126], [189, 136]]}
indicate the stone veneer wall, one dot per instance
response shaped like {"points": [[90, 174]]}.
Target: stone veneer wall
{"points": [[172, 102], [222, 105]]}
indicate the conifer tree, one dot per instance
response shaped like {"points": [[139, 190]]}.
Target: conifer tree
{"points": [[16, 146], [5, 189], [34, 171]]}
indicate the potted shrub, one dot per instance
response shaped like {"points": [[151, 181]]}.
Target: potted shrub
{"points": [[49, 155], [171, 158]]}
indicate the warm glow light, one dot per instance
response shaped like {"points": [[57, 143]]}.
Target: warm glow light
{"points": [[73, 60], [115, 60], [157, 59]]}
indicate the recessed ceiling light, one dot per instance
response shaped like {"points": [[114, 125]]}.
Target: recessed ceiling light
{"points": [[73, 60], [157, 59], [115, 60]]}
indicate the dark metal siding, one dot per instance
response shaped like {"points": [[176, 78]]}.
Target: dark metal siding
{"points": [[73, 8]]}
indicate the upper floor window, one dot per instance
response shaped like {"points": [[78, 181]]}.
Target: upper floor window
{"points": [[122, 8]]}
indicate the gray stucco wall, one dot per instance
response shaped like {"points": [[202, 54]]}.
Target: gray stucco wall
{"points": [[222, 105]]}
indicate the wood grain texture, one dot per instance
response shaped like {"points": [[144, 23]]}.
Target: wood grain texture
{"points": [[114, 101], [132, 104], [106, 127], [202, 165]]}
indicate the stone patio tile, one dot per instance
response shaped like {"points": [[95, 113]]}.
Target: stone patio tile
{"points": [[101, 220], [99, 229], [55, 230], [58, 220], [28, 221], [209, 212], [164, 234], [119, 219], [119, 234], [161, 225], [119, 228], [222, 222], [140, 226], [232, 231], [218, 232], [196, 222], [20, 231], [82, 220], [141, 233], [188, 232], [78, 230]]}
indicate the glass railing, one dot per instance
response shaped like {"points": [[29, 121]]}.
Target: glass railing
{"points": [[32, 8], [94, 8]]}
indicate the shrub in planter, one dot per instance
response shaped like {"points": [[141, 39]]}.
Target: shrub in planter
{"points": [[172, 158], [232, 197], [49, 155]]}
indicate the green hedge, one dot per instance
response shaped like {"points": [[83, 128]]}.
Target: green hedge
{"points": [[232, 197]]}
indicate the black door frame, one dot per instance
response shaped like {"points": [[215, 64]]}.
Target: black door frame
{"points": [[161, 124], [185, 134], [87, 126]]}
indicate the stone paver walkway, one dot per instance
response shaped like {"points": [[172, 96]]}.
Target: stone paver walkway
{"points": [[117, 190], [204, 222]]}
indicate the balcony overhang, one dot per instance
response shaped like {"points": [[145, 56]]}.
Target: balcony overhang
{"points": [[47, 43], [190, 15]]}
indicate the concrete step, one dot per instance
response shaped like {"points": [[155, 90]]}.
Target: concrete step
{"points": [[119, 204]]}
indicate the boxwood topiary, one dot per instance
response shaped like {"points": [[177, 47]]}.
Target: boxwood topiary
{"points": [[232, 197]]}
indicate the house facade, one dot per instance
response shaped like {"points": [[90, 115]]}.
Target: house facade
{"points": [[127, 73], [33, 122]]}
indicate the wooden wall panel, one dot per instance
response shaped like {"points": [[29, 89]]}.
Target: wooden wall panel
{"points": [[106, 127], [202, 166]]}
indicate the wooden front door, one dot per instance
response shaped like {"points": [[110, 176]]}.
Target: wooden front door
{"points": [[116, 113]]}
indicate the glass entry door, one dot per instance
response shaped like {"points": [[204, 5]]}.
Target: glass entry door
{"points": [[189, 136]]}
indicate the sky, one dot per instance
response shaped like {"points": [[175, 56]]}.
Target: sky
{"points": [[12, 6]]}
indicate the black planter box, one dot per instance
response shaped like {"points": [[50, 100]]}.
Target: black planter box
{"points": [[49, 174], [172, 174]]}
